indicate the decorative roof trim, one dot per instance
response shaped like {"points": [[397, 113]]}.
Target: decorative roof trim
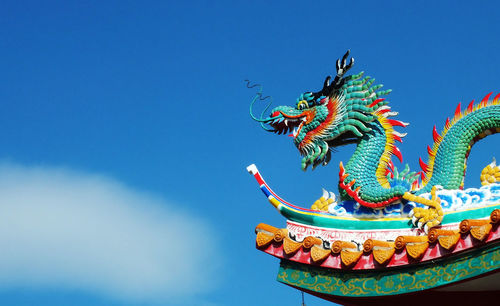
{"points": [[376, 254]]}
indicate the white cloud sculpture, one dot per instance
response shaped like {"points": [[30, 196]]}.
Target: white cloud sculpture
{"points": [[65, 229]]}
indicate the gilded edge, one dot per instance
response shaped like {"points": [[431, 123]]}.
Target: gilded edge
{"points": [[390, 282]]}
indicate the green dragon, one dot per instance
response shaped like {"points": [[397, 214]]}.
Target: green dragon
{"points": [[351, 110]]}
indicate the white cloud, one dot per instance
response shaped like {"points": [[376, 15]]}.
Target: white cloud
{"points": [[65, 229]]}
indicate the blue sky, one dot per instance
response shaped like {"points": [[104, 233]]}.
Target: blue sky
{"points": [[125, 128]]}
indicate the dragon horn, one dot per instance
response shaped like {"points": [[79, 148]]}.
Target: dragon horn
{"points": [[344, 58], [326, 84], [342, 68]]}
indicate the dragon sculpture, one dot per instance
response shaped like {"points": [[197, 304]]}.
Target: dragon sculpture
{"points": [[350, 110]]}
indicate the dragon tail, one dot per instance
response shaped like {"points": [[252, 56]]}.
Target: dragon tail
{"points": [[448, 155]]}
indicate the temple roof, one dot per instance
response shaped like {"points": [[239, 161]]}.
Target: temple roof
{"points": [[377, 254]]}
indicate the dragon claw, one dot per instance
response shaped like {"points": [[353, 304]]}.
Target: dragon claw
{"points": [[426, 218], [414, 220], [324, 201], [421, 223], [411, 214]]}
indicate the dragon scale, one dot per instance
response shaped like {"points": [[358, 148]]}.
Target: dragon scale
{"points": [[363, 166], [447, 157]]}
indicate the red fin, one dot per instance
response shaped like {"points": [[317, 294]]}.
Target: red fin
{"points": [[342, 174], [484, 102], [423, 165], [388, 170], [435, 134], [398, 154], [429, 150], [496, 98], [375, 102], [396, 137], [414, 185], [469, 108], [351, 183], [391, 165], [458, 110], [422, 176], [396, 123], [447, 124]]}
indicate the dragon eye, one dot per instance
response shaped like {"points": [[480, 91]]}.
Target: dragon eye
{"points": [[302, 105]]}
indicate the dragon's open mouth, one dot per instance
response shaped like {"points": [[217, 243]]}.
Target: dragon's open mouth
{"points": [[284, 124]]}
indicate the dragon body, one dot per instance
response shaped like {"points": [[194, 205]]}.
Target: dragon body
{"points": [[351, 110]]}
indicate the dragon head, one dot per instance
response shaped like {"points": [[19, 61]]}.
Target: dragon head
{"points": [[334, 116]]}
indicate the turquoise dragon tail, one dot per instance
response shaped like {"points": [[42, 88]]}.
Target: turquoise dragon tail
{"points": [[448, 155]]}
